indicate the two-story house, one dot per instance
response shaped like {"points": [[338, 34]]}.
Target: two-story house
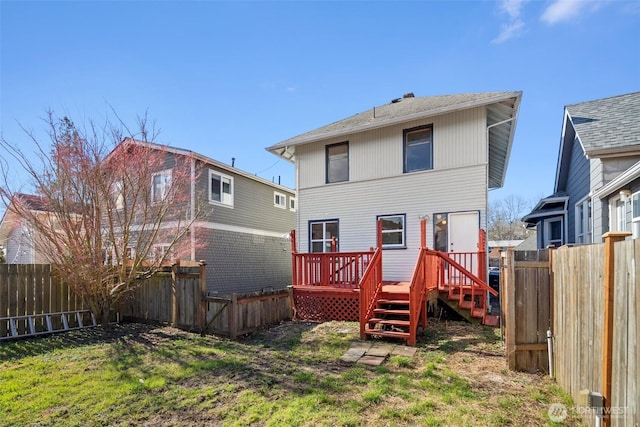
{"points": [[18, 237], [431, 157], [597, 184], [242, 233]]}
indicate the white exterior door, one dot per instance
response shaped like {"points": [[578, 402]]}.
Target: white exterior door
{"points": [[464, 228]]}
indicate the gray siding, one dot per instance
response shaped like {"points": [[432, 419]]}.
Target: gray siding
{"points": [[253, 205], [357, 204], [19, 248], [577, 186], [243, 262]]}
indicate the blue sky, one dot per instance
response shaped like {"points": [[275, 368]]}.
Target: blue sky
{"points": [[227, 79]]}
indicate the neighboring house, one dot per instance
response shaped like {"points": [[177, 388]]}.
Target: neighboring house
{"points": [[428, 157], [497, 246], [245, 231], [597, 186], [17, 236]]}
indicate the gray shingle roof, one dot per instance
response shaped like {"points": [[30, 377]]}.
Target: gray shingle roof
{"points": [[404, 109], [502, 109], [608, 125]]}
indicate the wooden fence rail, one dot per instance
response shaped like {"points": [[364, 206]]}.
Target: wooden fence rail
{"points": [[176, 296]]}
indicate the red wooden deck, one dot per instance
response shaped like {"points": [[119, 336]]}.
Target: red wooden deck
{"points": [[349, 286]]}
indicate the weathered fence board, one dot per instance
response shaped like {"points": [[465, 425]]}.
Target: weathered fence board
{"points": [[525, 299], [32, 289], [241, 314], [579, 273], [175, 297]]}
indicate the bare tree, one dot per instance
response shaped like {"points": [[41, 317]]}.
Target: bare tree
{"points": [[504, 217], [115, 208]]}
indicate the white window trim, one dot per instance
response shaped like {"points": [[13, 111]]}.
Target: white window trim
{"points": [[583, 228], [118, 196], [292, 204], [222, 202], [402, 245], [166, 184], [635, 220], [279, 200], [617, 217], [162, 247]]}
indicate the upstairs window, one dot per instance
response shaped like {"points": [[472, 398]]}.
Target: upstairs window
{"points": [[337, 162], [418, 149], [160, 185], [393, 231], [220, 188], [292, 204], [279, 200]]}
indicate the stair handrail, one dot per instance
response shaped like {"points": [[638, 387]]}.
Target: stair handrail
{"points": [[417, 291], [469, 275], [370, 289]]}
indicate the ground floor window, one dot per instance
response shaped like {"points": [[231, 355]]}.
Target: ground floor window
{"points": [[393, 231], [322, 235]]}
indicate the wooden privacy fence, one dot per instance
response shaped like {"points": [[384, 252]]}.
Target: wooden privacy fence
{"points": [[590, 353], [30, 292], [179, 298], [34, 301], [526, 301]]}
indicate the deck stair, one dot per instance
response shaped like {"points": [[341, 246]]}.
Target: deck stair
{"points": [[465, 292], [391, 316]]}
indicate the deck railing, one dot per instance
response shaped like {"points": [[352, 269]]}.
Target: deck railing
{"points": [[370, 289], [453, 274], [334, 269]]}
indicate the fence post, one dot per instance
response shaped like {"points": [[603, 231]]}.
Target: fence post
{"points": [[174, 294], [607, 346], [233, 325], [510, 309], [203, 294]]}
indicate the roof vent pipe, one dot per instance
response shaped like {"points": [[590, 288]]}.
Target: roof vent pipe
{"points": [[409, 95]]}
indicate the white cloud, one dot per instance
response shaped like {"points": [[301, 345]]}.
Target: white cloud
{"points": [[512, 7], [509, 31], [515, 26], [564, 10]]}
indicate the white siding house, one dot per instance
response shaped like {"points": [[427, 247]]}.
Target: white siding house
{"points": [[429, 157]]}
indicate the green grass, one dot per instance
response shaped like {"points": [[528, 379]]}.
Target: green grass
{"points": [[290, 375]]}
